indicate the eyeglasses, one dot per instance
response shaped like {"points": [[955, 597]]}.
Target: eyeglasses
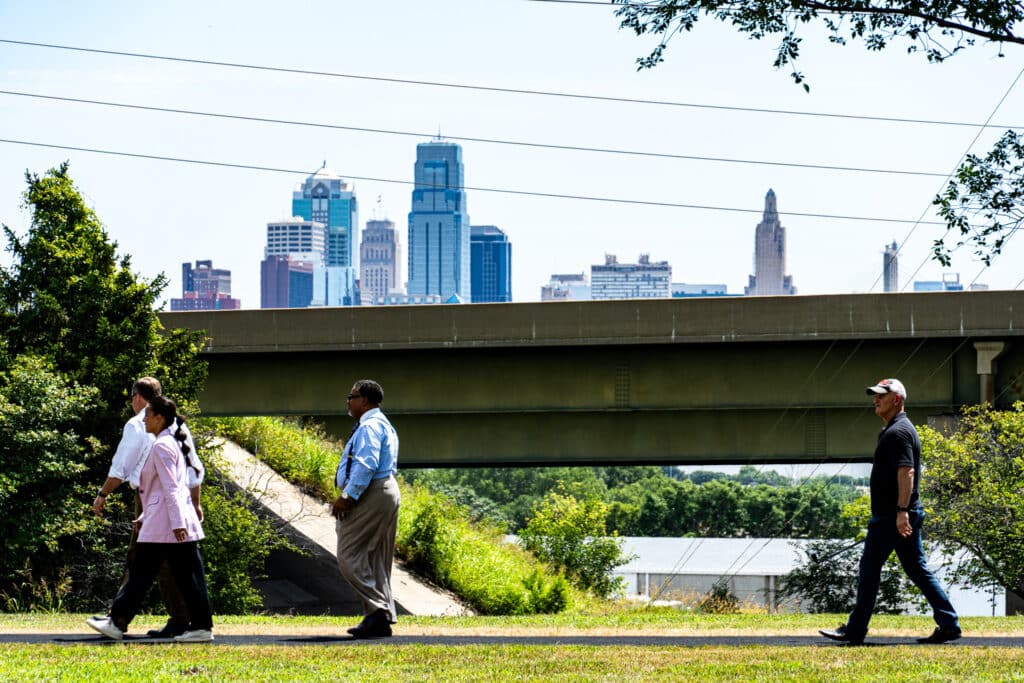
{"points": [[352, 396]]}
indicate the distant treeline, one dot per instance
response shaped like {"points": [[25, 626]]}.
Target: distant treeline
{"points": [[660, 501]]}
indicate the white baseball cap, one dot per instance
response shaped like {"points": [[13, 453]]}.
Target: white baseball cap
{"points": [[889, 386]]}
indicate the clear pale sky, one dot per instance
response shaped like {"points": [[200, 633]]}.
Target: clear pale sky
{"points": [[165, 213]]}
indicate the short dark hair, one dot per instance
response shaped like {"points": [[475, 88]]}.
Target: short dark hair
{"points": [[147, 387], [370, 390]]}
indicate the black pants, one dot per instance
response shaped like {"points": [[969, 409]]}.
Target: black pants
{"points": [[187, 568], [175, 604]]}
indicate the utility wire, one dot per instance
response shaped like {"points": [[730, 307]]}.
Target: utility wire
{"points": [[510, 91], [956, 167], [521, 193], [494, 141]]}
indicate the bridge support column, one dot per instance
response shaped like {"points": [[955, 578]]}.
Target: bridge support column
{"points": [[987, 352]]}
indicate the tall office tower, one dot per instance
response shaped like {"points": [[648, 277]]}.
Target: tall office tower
{"points": [[439, 261], [770, 254], [566, 287], [490, 264], [205, 288], [891, 268], [327, 198], [642, 280], [285, 283], [380, 261]]}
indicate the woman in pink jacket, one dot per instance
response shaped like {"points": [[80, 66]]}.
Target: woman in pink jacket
{"points": [[169, 530]]}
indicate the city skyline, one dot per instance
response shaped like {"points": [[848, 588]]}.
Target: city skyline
{"points": [[214, 212]]}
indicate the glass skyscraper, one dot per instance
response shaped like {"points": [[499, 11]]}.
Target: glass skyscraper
{"points": [[327, 198], [439, 244], [491, 264]]}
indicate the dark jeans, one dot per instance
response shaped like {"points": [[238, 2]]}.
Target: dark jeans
{"points": [[882, 539], [187, 568]]}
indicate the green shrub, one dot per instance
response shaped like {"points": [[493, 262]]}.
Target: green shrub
{"points": [[303, 455], [437, 539]]}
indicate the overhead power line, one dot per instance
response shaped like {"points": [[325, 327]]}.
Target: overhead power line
{"points": [[493, 141], [523, 193], [511, 91]]}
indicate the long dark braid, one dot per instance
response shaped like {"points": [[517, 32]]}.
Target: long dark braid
{"points": [[167, 409]]}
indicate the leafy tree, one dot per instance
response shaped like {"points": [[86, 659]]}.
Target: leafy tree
{"points": [[987, 187], [41, 463], [76, 328], [990, 188], [937, 28], [70, 298], [972, 487], [570, 535]]}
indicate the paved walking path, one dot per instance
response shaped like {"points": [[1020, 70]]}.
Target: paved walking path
{"points": [[637, 640], [312, 518]]}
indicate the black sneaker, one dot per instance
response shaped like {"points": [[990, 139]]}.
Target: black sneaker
{"points": [[170, 630], [941, 635], [842, 635]]}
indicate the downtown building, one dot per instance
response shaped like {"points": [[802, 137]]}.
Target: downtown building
{"points": [[769, 276], [205, 288], [380, 262], [295, 249], [327, 198], [566, 287], [641, 280], [490, 265], [891, 268], [439, 230]]}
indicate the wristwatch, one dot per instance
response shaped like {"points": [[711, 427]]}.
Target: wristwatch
{"points": [[100, 494], [901, 509]]}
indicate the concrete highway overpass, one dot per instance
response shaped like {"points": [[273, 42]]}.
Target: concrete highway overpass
{"points": [[715, 380]]}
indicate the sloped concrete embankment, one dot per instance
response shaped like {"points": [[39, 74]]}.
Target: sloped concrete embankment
{"points": [[311, 584]]}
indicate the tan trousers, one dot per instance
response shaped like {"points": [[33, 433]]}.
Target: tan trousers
{"points": [[366, 545], [173, 600]]}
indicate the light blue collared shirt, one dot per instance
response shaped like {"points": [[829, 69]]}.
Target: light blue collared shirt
{"points": [[373, 450]]}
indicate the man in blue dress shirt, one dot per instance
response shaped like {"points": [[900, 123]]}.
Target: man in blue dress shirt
{"points": [[367, 509]]}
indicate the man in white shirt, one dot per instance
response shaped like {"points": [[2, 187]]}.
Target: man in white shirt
{"points": [[127, 466]]}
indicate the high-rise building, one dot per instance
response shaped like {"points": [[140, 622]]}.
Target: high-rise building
{"points": [[950, 282], [641, 280], [205, 288], [891, 268], [380, 259], [769, 276], [566, 287], [439, 260], [285, 283], [682, 290], [327, 198], [490, 264], [302, 239]]}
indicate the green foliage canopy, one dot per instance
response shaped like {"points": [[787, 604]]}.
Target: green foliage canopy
{"points": [[937, 28], [570, 534], [975, 499]]}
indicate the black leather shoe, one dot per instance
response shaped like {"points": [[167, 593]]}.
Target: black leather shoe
{"points": [[842, 635], [374, 625], [169, 630], [941, 635]]}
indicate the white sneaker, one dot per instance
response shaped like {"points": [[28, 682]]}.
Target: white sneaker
{"points": [[197, 636], [105, 626]]}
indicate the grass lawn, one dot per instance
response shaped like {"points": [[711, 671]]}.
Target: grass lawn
{"points": [[419, 661]]}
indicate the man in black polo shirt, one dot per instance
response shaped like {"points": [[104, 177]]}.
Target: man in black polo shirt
{"points": [[896, 516]]}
